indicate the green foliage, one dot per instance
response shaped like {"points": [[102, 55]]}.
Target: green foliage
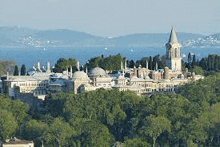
{"points": [[198, 70], [58, 133], [164, 119], [35, 130], [23, 69], [5, 103], [63, 64], [111, 63], [212, 62], [19, 110], [136, 142], [92, 133], [13, 114], [53, 105], [6, 66], [111, 108], [16, 72], [8, 125], [159, 60], [155, 126], [201, 91]]}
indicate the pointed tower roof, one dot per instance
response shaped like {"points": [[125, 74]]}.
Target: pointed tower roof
{"points": [[173, 36]]}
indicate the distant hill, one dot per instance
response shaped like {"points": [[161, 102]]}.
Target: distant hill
{"points": [[25, 37], [151, 39]]}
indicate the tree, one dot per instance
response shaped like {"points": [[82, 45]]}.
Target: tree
{"points": [[110, 107], [8, 125], [111, 63], [131, 64], [63, 64], [58, 133], [194, 61], [91, 133], [23, 70], [35, 130], [6, 66], [155, 126], [136, 142], [19, 110], [198, 70], [54, 103], [189, 58], [16, 72]]}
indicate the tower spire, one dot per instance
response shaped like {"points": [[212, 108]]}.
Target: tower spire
{"points": [[173, 60], [173, 36]]}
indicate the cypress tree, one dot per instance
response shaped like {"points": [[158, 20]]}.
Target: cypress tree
{"points": [[150, 63], [16, 71], [23, 70]]}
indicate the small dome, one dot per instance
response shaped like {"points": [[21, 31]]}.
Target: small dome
{"points": [[80, 75], [97, 72]]}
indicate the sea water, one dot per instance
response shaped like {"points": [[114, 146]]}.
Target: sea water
{"points": [[30, 56]]}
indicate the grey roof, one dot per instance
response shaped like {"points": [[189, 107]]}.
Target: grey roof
{"points": [[58, 81], [97, 71], [80, 75], [173, 36], [26, 78]]}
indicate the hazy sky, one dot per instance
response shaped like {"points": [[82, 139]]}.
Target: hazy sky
{"points": [[113, 17]]}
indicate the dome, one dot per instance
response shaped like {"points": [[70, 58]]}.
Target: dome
{"points": [[97, 71], [80, 75]]}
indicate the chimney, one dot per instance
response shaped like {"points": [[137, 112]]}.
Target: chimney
{"points": [[125, 64], [7, 76], [146, 64], [38, 66], [166, 73], [78, 66], [86, 70], [135, 71], [71, 71], [48, 67]]}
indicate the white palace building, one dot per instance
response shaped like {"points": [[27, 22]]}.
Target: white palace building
{"points": [[140, 79]]}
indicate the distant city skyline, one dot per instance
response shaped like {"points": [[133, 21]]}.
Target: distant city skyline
{"points": [[113, 18]]}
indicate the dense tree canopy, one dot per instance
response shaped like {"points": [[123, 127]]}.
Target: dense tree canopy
{"points": [[13, 114], [111, 63], [63, 64]]}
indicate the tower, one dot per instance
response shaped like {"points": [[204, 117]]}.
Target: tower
{"points": [[173, 57]]}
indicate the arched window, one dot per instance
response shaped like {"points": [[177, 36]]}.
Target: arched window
{"points": [[176, 52]]}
